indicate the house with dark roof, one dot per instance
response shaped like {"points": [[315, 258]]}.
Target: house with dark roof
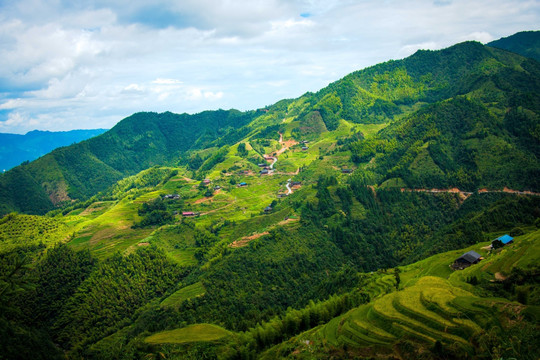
{"points": [[346, 171], [502, 241], [466, 260], [268, 209], [171, 196], [264, 172]]}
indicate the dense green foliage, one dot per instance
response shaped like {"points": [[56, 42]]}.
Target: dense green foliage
{"points": [[526, 43], [105, 301], [18, 338], [24, 230], [153, 213], [457, 143]]}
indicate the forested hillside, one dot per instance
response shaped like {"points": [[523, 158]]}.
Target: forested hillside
{"points": [[320, 227], [136, 143], [526, 43]]}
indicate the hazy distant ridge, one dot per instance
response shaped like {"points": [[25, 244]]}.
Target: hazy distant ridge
{"points": [[15, 148]]}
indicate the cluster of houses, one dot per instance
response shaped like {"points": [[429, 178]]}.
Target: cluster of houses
{"points": [[171, 197], [472, 257]]}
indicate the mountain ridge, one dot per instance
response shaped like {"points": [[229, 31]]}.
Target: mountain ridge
{"points": [[526, 43], [376, 94], [15, 148]]}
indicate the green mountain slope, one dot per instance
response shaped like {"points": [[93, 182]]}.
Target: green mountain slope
{"points": [[501, 89], [526, 43], [438, 312], [136, 143]]}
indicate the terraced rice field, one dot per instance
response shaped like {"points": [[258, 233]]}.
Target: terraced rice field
{"points": [[430, 310], [185, 293], [189, 334]]}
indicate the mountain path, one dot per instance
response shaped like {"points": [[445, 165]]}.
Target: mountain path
{"points": [[465, 194]]}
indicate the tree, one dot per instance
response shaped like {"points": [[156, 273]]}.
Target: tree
{"points": [[242, 151]]}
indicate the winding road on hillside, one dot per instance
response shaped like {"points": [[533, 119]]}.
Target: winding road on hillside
{"points": [[289, 190], [285, 145], [465, 194]]}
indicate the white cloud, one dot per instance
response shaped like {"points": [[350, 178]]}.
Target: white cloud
{"points": [[66, 66], [412, 48], [481, 36], [160, 81], [213, 95], [133, 89]]}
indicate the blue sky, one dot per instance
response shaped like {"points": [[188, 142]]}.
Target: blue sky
{"points": [[87, 65]]}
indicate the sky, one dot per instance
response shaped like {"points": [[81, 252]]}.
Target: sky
{"points": [[88, 64]]}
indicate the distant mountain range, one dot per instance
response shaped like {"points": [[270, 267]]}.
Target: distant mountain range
{"points": [[15, 148]]}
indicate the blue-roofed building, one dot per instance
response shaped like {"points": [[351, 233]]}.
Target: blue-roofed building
{"points": [[505, 239], [501, 241]]}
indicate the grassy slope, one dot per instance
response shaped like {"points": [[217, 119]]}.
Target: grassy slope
{"points": [[434, 303], [192, 333], [185, 293]]}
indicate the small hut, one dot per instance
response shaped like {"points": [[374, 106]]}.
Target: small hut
{"points": [[502, 241], [466, 260]]}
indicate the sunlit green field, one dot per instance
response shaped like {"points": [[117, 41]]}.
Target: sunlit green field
{"points": [[192, 333]]}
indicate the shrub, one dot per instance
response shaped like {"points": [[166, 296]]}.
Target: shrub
{"points": [[516, 231]]}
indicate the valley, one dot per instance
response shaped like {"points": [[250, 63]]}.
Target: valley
{"points": [[320, 227]]}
